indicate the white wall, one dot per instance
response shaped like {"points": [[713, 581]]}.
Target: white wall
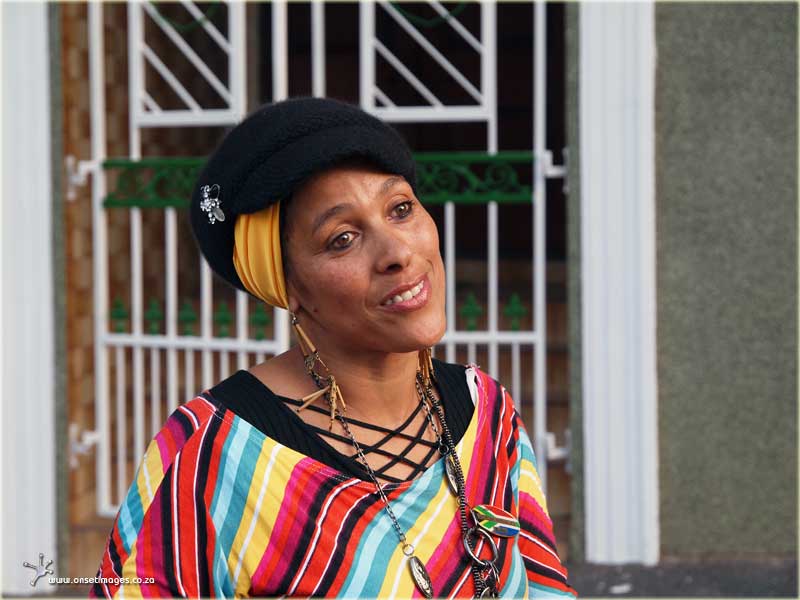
{"points": [[26, 313]]}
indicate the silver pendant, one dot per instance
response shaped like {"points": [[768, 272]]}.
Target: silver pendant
{"points": [[450, 469], [421, 577], [218, 214]]}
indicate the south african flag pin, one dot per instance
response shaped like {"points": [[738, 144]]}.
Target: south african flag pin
{"points": [[495, 520]]}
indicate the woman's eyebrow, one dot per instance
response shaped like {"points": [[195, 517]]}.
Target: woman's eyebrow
{"points": [[337, 208], [332, 211], [391, 182]]}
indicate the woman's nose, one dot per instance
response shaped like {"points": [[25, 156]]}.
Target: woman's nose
{"points": [[393, 252]]}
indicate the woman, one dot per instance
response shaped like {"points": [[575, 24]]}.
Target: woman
{"points": [[353, 464]]}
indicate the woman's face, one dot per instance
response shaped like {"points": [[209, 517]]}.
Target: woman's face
{"points": [[364, 261]]}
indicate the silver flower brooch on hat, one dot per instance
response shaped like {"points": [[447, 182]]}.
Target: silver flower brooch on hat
{"points": [[210, 203]]}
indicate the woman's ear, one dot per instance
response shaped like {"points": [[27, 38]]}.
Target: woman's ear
{"points": [[294, 303], [295, 298]]}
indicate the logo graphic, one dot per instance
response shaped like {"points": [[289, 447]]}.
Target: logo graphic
{"points": [[41, 569]]}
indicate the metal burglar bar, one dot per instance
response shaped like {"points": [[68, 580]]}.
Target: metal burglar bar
{"points": [[375, 100], [145, 111], [485, 110], [136, 183]]}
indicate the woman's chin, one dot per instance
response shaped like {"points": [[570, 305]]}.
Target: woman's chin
{"points": [[427, 335], [409, 341]]}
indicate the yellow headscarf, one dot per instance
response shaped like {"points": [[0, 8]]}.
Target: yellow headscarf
{"points": [[257, 255]]}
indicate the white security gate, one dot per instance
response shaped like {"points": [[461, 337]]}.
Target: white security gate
{"points": [[146, 353]]}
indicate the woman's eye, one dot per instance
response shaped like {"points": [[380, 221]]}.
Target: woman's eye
{"points": [[342, 241], [403, 209]]}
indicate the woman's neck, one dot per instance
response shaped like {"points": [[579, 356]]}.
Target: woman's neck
{"points": [[377, 387]]}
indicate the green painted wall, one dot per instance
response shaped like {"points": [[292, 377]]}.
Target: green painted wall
{"points": [[726, 169]]}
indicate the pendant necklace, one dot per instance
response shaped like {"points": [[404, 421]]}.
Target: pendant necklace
{"points": [[489, 520], [485, 573]]}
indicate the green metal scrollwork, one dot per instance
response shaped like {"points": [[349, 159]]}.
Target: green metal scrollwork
{"points": [[260, 320], [429, 23], [223, 318], [154, 316], [473, 177], [187, 317], [188, 26], [119, 315], [152, 182], [459, 177], [515, 310], [470, 311]]}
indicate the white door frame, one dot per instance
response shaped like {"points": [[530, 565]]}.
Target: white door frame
{"points": [[617, 183], [26, 302]]}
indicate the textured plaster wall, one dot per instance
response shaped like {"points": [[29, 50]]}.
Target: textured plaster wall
{"points": [[59, 287], [577, 525], [726, 164]]}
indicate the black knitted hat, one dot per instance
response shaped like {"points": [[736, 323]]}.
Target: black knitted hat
{"points": [[266, 156]]}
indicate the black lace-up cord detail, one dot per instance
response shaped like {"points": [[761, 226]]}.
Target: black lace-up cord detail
{"points": [[364, 424], [376, 448], [417, 468]]}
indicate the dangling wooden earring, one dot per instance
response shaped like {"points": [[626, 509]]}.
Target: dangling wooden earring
{"points": [[309, 351], [326, 383], [426, 366]]}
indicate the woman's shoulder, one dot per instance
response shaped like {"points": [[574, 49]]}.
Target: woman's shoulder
{"points": [[473, 380], [246, 398], [185, 421], [210, 413], [478, 381], [470, 373], [491, 397], [449, 371]]}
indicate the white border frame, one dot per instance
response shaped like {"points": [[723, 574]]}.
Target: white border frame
{"points": [[617, 182]]}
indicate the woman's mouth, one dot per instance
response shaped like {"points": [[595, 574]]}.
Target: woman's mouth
{"points": [[411, 298]]}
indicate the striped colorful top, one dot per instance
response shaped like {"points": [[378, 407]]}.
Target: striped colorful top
{"points": [[217, 508]]}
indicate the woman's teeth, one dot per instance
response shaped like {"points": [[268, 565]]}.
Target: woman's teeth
{"points": [[407, 295]]}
